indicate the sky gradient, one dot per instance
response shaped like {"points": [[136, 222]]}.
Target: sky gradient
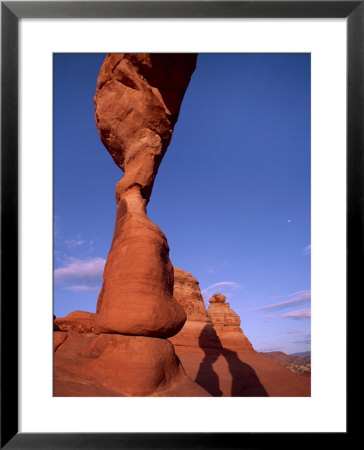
{"points": [[232, 193]]}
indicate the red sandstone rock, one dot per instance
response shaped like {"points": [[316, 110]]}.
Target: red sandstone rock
{"points": [[186, 291], [137, 103], [122, 365], [58, 338], [137, 293], [217, 327], [227, 324], [80, 321], [198, 330]]}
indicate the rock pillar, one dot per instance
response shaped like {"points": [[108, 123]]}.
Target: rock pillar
{"points": [[227, 324], [137, 103]]}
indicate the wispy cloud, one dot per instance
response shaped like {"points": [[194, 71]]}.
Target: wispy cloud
{"points": [[294, 299], [83, 288], [306, 339], [299, 314], [223, 286], [303, 341], [210, 269], [307, 250], [294, 332], [80, 271], [230, 284], [74, 243]]}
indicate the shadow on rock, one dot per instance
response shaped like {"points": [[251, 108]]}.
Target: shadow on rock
{"points": [[206, 376], [245, 382]]}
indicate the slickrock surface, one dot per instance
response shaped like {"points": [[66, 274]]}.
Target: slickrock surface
{"points": [[118, 365], [241, 373], [122, 349], [227, 324], [187, 292]]}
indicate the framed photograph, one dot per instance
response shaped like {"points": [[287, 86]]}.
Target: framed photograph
{"points": [[47, 50]]}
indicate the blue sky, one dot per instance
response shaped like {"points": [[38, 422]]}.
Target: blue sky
{"points": [[232, 193]]}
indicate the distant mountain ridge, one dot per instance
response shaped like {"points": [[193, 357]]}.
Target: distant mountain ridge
{"points": [[308, 353], [279, 356], [297, 362]]}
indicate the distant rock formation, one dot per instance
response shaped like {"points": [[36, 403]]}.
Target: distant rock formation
{"points": [[216, 327], [223, 361], [123, 349], [80, 321], [279, 356], [198, 327], [299, 363], [227, 324]]}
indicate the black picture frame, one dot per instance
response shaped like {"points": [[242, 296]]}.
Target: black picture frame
{"points": [[11, 12]]}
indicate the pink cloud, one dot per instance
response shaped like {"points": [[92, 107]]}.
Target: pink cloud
{"points": [[299, 314], [221, 284], [74, 243], [298, 298], [303, 341], [81, 271], [224, 287], [83, 288]]}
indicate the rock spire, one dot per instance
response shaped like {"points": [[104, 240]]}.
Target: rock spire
{"points": [[227, 324], [137, 103]]}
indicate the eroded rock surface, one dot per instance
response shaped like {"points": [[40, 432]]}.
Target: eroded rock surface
{"points": [[121, 365], [227, 324], [137, 103], [80, 321], [198, 330], [137, 292], [241, 373]]}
